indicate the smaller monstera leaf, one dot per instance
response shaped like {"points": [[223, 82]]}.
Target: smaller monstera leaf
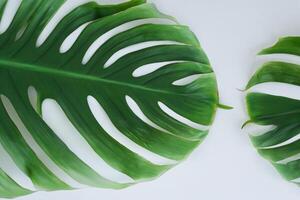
{"points": [[172, 116], [280, 144]]}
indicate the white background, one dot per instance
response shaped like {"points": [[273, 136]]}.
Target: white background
{"points": [[225, 166]]}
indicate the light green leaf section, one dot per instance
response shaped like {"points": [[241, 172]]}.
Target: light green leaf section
{"points": [[281, 145], [63, 77], [9, 188]]}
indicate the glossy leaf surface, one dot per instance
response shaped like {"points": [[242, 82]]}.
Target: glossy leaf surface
{"points": [[137, 144], [280, 144]]}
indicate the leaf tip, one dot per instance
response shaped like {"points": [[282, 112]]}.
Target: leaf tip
{"points": [[225, 107], [246, 123]]}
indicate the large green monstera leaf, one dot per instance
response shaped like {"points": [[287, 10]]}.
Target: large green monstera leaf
{"points": [[136, 88], [279, 143]]}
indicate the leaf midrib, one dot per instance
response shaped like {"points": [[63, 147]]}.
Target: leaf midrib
{"points": [[8, 64]]}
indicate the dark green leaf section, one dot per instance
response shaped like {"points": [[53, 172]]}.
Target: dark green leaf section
{"points": [[286, 45], [276, 72], [278, 145], [24, 157], [63, 77]]}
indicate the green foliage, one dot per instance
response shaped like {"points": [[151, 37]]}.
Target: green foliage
{"points": [[64, 78], [279, 145]]}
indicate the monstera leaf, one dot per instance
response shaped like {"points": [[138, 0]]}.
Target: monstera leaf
{"points": [[136, 87], [280, 144]]}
